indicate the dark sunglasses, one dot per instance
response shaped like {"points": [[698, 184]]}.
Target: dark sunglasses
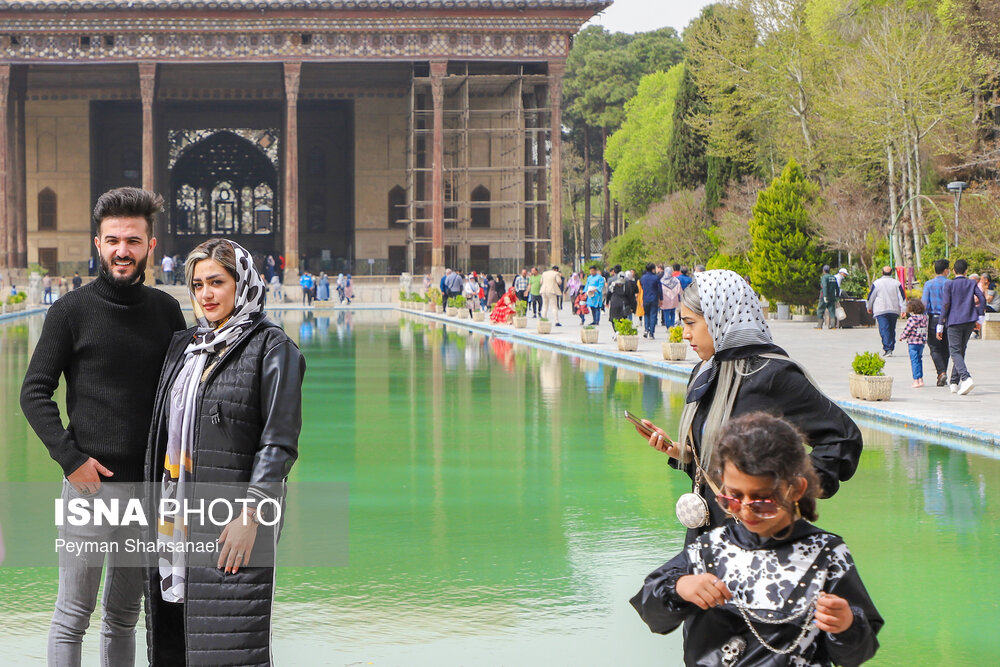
{"points": [[763, 509]]}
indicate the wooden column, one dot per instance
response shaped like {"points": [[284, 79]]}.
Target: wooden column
{"points": [[7, 224], [439, 69], [18, 179], [147, 90], [556, 71], [290, 198]]}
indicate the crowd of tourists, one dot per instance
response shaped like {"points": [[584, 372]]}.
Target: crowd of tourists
{"points": [[317, 288], [653, 296]]}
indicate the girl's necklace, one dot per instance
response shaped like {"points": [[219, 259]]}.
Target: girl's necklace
{"points": [[808, 612]]}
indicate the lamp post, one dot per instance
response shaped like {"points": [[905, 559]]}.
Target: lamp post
{"points": [[956, 188]]}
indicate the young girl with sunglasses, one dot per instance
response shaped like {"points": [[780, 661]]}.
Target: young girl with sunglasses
{"points": [[769, 588]]}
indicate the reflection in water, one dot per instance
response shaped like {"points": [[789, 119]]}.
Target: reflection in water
{"points": [[950, 492], [501, 506]]}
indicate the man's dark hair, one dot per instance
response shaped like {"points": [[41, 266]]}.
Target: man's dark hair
{"points": [[650, 267], [128, 203], [617, 268], [940, 266], [676, 267], [961, 266]]}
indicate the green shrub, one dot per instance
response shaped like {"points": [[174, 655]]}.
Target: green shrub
{"points": [[589, 327], [403, 296], [624, 327], [434, 294], [855, 284], [521, 308], [676, 334], [457, 301], [868, 363], [416, 298]]}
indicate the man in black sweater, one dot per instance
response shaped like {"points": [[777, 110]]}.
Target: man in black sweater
{"points": [[109, 339]]}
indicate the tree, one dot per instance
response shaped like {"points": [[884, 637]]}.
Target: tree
{"points": [[677, 228], [720, 45], [784, 259], [602, 73], [629, 249], [638, 151], [902, 89], [850, 219], [686, 150]]}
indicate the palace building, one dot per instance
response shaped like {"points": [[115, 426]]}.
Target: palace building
{"points": [[344, 135]]}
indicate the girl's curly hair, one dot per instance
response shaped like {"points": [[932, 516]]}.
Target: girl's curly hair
{"points": [[761, 444]]}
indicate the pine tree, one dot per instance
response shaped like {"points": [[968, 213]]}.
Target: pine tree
{"points": [[686, 168], [719, 171], [784, 259]]}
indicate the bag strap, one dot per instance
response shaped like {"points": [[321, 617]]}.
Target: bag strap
{"points": [[699, 472]]}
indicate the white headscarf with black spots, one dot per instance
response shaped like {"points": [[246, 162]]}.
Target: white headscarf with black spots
{"points": [[732, 311], [250, 296]]}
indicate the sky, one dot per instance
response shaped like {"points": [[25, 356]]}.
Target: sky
{"points": [[645, 15]]}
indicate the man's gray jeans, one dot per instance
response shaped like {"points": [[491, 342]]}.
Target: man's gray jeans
{"points": [[79, 580]]}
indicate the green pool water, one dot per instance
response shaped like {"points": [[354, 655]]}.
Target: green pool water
{"points": [[502, 512]]}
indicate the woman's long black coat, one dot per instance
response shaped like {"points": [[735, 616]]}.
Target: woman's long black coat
{"points": [[247, 431]]}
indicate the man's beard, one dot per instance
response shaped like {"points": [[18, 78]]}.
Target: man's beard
{"points": [[140, 269]]}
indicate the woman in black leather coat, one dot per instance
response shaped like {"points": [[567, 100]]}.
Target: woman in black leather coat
{"points": [[228, 412], [743, 371]]}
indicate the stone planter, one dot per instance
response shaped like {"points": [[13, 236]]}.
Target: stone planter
{"points": [[675, 351], [452, 312], [991, 327], [783, 312], [628, 343], [589, 335], [438, 308], [463, 314], [544, 327], [520, 322], [429, 307], [479, 316], [871, 387]]}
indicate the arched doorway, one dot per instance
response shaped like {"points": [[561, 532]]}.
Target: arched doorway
{"points": [[225, 183]]}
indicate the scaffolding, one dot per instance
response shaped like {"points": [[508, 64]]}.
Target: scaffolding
{"points": [[496, 144]]}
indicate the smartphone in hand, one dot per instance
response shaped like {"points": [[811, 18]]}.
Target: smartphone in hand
{"points": [[645, 430]]}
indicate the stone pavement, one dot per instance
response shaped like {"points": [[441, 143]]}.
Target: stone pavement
{"points": [[827, 355]]}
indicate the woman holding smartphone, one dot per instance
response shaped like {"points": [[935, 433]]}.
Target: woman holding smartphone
{"points": [[743, 371], [228, 410]]}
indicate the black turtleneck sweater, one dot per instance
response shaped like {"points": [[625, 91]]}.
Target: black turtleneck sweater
{"points": [[109, 341]]}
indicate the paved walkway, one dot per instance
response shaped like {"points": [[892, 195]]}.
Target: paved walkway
{"points": [[827, 355]]}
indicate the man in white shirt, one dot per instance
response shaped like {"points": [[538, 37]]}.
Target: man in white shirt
{"points": [[550, 293], [168, 269]]}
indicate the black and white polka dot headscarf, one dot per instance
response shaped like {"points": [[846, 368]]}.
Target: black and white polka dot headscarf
{"points": [[250, 296], [732, 310], [735, 320]]}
